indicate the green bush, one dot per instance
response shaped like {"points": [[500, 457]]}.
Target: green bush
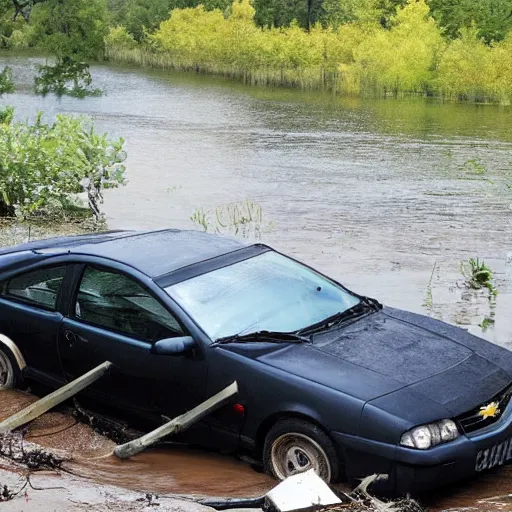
{"points": [[45, 165]]}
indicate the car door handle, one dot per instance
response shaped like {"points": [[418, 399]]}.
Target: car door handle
{"points": [[70, 337]]}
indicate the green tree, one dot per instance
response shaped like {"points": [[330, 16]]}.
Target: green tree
{"points": [[72, 28], [492, 18], [74, 32], [340, 12], [280, 13]]}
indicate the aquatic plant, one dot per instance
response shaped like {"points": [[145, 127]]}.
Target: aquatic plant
{"points": [[429, 301], [200, 218], [478, 275], [486, 323], [474, 166], [6, 82], [244, 218]]}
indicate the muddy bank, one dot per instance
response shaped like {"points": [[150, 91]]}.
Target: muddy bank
{"points": [[61, 492], [179, 471], [172, 469]]}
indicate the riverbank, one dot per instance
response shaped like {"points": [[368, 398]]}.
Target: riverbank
{"points": [[412, 58]]}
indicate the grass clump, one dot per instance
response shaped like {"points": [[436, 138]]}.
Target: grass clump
{"points": [[244, 218], [478, 275]]}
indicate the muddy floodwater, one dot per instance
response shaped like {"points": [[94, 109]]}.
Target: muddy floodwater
{"points": [[387, 196]]}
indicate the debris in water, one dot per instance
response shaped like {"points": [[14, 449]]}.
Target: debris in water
{"points": [[14, 447]]}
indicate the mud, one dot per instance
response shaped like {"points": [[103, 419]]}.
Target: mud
{"points": [[173, 469], [176, 470]]}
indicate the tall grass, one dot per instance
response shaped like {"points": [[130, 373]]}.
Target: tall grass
{"points": [[410, 58]]}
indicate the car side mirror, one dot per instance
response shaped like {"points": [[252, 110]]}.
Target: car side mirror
{"points": [[174, 346]]}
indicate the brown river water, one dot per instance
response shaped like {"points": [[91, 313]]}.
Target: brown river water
{"points": [[380, 194]]}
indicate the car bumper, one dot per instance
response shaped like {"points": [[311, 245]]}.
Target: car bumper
{"points": [[416, 471]]}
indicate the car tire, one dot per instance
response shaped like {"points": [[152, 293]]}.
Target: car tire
{"points": [[294, 445], [8, 370]]}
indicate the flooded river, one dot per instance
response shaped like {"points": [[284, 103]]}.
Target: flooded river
{"points": [[388, 196]]}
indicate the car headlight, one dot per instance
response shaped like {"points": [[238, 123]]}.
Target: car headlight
{"points": [[428, 436]]}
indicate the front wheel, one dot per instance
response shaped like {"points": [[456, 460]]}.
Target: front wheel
{"points": [[294, 446]]}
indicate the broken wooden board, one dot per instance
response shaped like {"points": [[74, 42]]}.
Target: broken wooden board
{"points": [[178, 424], [43, 405]]}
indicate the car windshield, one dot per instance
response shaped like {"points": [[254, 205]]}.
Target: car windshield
{"points": [[269, 292]]}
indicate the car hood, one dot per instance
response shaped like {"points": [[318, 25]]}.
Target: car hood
{"points": [[393, 352]]}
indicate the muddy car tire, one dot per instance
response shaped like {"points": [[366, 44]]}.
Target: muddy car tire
{"points": [[293, 446], [9, 374]]}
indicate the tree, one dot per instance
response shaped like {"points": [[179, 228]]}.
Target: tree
{"points": [[74, 32], [492, 18], [340, 12], [279, 13], [72, 28]]}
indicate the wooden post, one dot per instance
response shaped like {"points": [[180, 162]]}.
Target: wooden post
{"points": [[176, 425], [43, 405]]}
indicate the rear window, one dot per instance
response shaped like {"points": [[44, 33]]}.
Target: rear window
{"points": [[39, 287]]}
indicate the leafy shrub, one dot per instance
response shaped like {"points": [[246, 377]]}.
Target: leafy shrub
{"points": [[44, 165], [121, 37]]}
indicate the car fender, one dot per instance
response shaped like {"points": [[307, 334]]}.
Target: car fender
{"points": [[15, 351]]}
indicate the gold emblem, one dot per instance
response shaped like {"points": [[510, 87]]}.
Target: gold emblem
{"points": [[489, 411]]}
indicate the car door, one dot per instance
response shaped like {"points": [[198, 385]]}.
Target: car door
{"points": [[29, 315], [114, 317]]}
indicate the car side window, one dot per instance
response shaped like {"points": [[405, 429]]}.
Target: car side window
{"points": [[39, 287], [117, 302]]}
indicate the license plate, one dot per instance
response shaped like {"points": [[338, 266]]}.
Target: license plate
{"points": [[497, 455]]}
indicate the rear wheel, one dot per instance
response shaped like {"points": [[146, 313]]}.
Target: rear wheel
{"points": [[7, 370], [294, 446]]}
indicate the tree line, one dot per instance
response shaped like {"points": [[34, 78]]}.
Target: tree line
{"points": [[451, 48], [492, 18], [48, 18]]}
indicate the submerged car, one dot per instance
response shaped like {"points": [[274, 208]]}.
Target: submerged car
{"points": [[327, 379]]}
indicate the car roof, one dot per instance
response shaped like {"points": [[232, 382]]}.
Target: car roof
{"points": [[153, 253]]}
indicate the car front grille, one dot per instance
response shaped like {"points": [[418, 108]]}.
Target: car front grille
{"points": [[473, 420]]}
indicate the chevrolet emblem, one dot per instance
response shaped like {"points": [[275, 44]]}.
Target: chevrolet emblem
{"points": [[489, 411]]}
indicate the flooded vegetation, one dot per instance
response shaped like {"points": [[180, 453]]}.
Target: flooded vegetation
{"points": [[406, 56], [389, 197]]}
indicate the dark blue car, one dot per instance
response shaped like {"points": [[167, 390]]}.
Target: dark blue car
{"points": [[328, 379]]}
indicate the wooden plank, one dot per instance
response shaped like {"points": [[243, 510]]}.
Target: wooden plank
{"points": [[43, 405], [178, 424]]}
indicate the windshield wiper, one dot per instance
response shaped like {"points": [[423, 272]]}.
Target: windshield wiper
{"points": [[267, 336], [365, 306]]}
